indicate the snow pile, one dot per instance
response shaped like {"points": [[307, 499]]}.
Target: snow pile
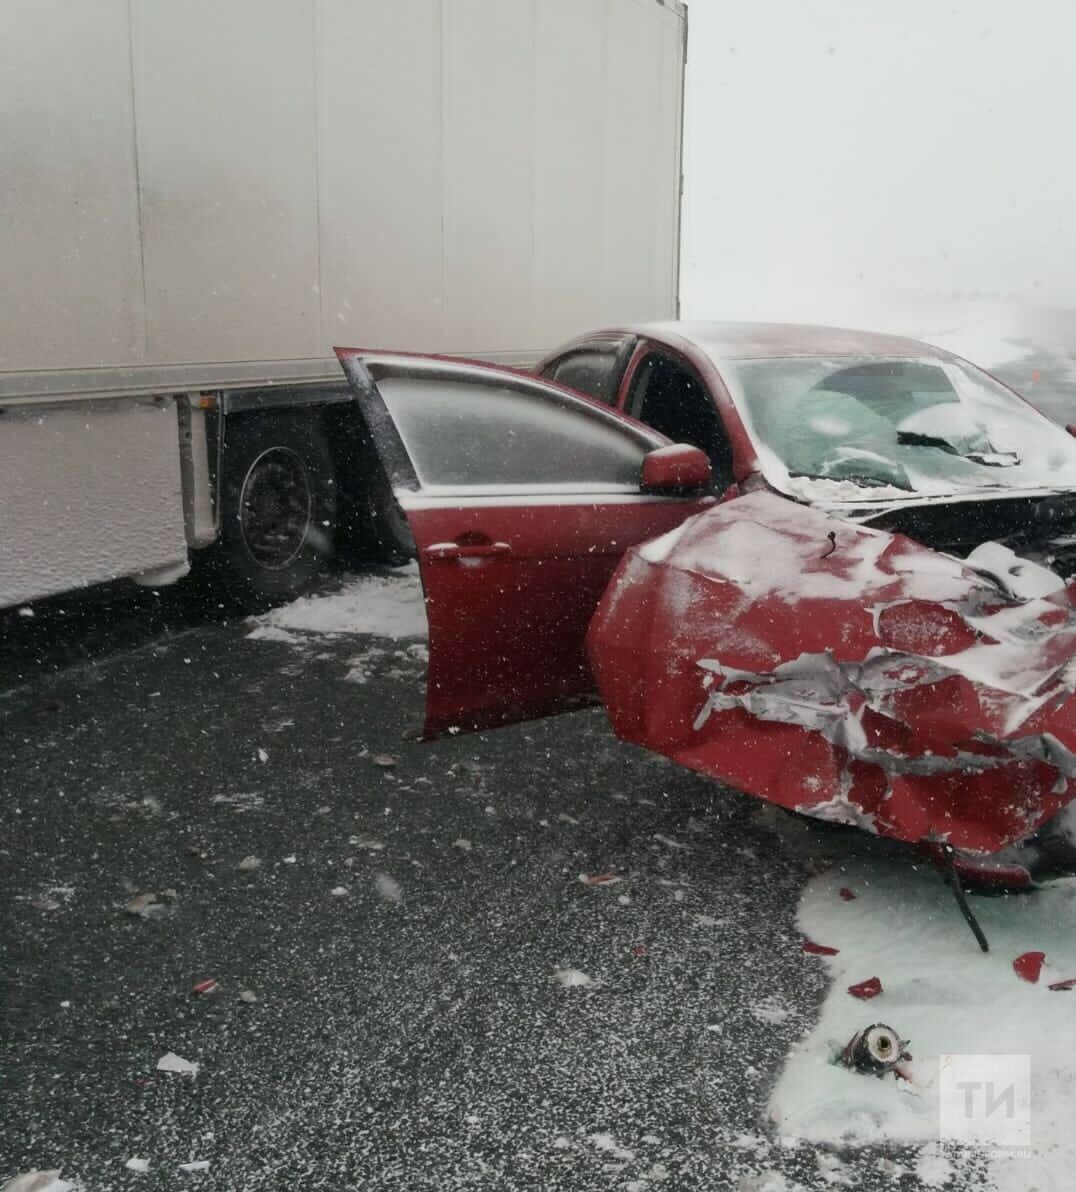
{"points": [[384, 605], [946, 997], [1020, 578]]}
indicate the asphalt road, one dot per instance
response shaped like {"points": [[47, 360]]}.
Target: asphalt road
{"points": [[400, 932]]}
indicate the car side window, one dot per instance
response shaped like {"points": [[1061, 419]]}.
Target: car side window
{"points": [[588, 370], [470, 433], [670, 397]]}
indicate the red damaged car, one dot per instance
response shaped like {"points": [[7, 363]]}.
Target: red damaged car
{"points": [[824, 566]]}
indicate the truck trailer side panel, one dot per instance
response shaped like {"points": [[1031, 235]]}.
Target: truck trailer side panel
{"points": [[88, 491], [257, 180], [71, 283]]}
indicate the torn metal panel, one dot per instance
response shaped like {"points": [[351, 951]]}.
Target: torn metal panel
{"points": [[846, 673]]}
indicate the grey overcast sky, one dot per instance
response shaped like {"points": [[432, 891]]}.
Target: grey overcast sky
{"points": [[854, 154]]}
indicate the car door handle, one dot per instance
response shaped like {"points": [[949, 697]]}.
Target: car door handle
{"points": [[467, 550]]}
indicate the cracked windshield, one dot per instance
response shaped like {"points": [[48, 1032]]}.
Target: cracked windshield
{"points": [[537, 596]]}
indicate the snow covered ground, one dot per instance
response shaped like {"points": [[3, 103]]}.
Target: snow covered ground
{"points": [[946, 997], [384, 605], [902, 926]]}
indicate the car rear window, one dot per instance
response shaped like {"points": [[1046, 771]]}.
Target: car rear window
{"points": [[589, 372]]}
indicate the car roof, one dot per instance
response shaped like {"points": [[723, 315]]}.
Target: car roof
{"points": [[746, 341]]}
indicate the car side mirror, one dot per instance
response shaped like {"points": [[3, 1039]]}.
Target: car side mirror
{"points": [[676, 468]]}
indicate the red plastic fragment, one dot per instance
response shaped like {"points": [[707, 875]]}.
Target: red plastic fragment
{"points": [[638, 950], [847, 895], [1068, 983], [819, 949], [209, 986], [1028, 965], [865, 990]]}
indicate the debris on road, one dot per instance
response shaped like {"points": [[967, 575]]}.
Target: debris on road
{"points": [[1068, 983], [339, 891], [241, 801], [248, 997], [137, 1165], [846, 894], [196, 1165], [151, 904], [670, 843], [571, 978], [204, 987], [1028, 966], [875, 1050], [463, 844], [170, 1062], [263, 755], [249, 864], [865, 990], [600, 879], [366, 841], [385, 760], [819, 949]]}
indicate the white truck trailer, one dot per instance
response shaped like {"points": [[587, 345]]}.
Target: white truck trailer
{"points": [[199, 200]]}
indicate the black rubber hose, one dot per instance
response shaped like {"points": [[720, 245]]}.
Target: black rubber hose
{"points": [[953, 878]]}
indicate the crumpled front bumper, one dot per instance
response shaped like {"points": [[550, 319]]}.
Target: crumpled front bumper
{"points": [[843, 672]]}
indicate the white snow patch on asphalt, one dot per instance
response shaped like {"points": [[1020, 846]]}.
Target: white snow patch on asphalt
{"points": [[933, 1168], [170, 1062], [946, 997], [272, 633], [770, 1011], [38, 1181], [388, 887], [607, 1143], [572, 978], [384, 605]]}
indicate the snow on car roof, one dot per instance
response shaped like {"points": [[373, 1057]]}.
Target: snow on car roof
{"points": [[744, 341]]}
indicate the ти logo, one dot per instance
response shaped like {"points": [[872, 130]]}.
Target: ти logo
{"points": [[985, 1099]]}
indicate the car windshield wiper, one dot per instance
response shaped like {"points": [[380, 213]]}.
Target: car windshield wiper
{"points": [[912, 438], [989, 459], [864, 481]]}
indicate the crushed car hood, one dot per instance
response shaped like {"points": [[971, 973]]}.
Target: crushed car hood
{"points": [[847, 672]]}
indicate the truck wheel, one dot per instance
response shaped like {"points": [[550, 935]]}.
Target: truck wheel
{"points": [[278, 507], [391, 535]]}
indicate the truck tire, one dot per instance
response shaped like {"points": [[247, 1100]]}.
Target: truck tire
{"points": [[278, 507], [390, 535]]}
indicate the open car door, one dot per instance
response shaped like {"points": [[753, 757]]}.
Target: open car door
{"points": [[521, 497]]}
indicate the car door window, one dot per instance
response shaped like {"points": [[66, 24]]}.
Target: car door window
{"points": [[467, 434], [670, 397]]}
